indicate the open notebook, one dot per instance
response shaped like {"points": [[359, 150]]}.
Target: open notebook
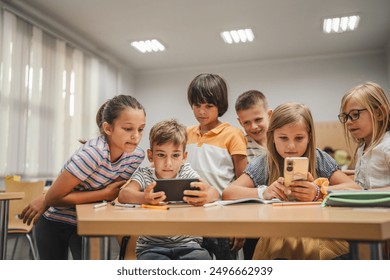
{"points": [[242, 200]]}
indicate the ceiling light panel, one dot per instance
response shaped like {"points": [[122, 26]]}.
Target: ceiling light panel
{"points": [[148, 46], [341, 24], [238, 36]]}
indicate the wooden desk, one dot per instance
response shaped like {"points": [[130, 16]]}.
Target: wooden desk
{"points": [[241, 220], [5, 197]]}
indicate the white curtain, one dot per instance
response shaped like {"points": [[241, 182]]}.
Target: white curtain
{"points": [[50, 93]]}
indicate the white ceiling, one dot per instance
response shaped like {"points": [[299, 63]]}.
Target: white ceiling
{"points": [[190, 28]]}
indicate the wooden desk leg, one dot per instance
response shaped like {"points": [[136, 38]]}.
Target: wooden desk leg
{"points": [[4, 204], [85, 248]]}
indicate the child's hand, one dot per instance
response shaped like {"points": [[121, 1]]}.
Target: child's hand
{"points": [[34, 210], [276, 190], [236, 244], [304, 190], [151, 197], [198, 196], [112, 190]]}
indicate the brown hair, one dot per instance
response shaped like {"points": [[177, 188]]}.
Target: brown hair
{"points": [[110, 110], [168, 131], [249, 99]]}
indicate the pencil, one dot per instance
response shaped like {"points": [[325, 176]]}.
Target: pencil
{"points": [[126, 205], [293, 203], [156, 207]]}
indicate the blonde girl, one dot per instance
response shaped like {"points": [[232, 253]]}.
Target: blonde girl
{"points": [[291, 134], [364, 112]]}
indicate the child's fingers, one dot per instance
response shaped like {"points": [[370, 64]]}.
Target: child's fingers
{"points": [[150, 187], [197, 193], [195, 201], [155, 198], [199, 185]]}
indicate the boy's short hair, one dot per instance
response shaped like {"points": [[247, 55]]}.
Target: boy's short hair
{"points": [[168, 131], [249, 99], [211, 89]]}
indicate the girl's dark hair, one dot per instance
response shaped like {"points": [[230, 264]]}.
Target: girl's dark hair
{"points": [[111, 109], [211, 89]]}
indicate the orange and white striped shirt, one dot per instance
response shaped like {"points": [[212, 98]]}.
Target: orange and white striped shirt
{"points": [[210, 154]]}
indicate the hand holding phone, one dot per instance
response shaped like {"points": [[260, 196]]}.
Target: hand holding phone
{"points": [[295, 169], [174, 188]]}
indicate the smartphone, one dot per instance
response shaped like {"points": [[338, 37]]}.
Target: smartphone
{"points": [[174, 188], [295, 169]]}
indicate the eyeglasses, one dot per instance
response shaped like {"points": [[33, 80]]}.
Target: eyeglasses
{"points": [[353, 115]]}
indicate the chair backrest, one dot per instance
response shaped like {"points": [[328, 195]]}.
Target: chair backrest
{"points": [[12, 178], [31, 191]]}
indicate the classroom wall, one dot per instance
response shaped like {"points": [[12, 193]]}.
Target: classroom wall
{"points": [[126, 81], [319, 82], [388, 63]]}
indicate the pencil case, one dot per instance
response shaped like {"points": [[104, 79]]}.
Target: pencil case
{"points": [[357, 199]]}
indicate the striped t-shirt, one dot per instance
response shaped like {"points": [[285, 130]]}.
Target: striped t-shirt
{"points": [[253, 149], [211, 154], [144, 176], [92, 166]]}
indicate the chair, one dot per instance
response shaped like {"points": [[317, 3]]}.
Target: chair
{"points": [[31, 190], [12, 178], [127, 247]]}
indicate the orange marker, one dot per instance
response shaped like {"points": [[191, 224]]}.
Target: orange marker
{"points": [[156, 207]]}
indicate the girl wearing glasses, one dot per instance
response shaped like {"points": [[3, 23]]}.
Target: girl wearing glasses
{"points": [[364, 112]]}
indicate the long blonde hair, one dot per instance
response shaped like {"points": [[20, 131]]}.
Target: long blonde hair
{"points": [[373, 98], [285, 114]]}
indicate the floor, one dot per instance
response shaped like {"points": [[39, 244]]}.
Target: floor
{"points": [[23, 249]]}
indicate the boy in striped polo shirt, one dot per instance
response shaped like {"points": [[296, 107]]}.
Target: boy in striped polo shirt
{"points": [[253, 114]]}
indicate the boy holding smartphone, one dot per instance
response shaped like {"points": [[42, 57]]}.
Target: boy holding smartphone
{"points": [[167, 153]]}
